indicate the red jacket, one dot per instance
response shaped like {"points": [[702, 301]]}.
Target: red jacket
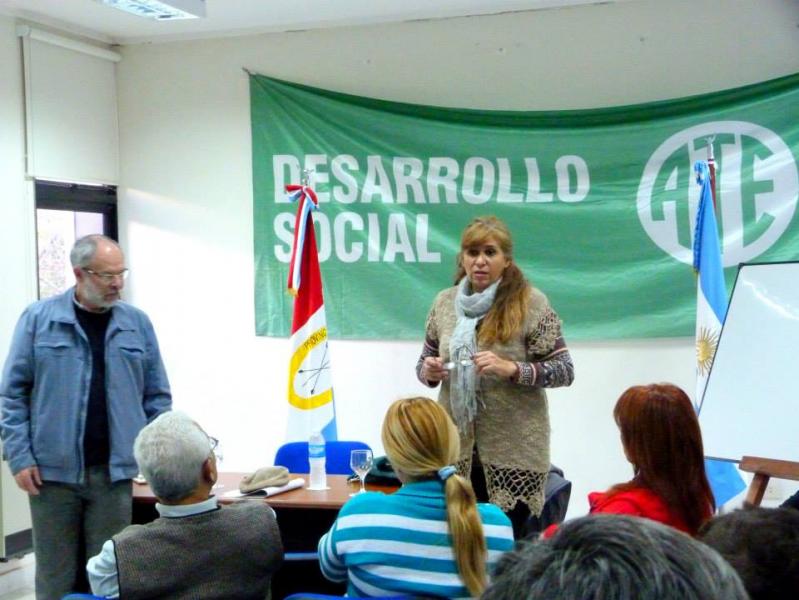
{"points": [[639, 502]]}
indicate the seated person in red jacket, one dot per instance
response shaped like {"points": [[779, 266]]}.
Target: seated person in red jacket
{"points": [[196, 549], [662, 440]]}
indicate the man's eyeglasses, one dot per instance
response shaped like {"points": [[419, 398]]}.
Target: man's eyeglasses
{"points": [[108, 277], [215, 449]]}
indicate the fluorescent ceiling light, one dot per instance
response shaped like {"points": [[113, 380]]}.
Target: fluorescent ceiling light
{"points": [[162, 10]]}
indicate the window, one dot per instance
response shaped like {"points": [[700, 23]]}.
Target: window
{"points": [[64, 213]]}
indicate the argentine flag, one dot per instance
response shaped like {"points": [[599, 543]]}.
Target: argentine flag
{"points": [[711, 308]]}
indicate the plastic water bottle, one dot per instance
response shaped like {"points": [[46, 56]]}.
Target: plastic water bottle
{"points": [[316, 457]]}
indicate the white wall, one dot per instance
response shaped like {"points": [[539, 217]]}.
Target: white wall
{"points": [[18, 270], [186, 195], [17, 263]]}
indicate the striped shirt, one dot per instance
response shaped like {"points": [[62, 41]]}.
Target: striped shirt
{"points": [[386, 545]]}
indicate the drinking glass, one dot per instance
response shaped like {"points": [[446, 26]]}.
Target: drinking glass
{"points": [[361, 462]]}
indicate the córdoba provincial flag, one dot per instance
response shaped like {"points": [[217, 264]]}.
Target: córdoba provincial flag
{"points": [[310, 392], [711, 307]]}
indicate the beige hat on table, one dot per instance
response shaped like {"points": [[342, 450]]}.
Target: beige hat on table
{"points": [[264, 477]]}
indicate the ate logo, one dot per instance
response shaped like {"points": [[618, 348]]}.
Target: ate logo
{"points": [[756, 190]]}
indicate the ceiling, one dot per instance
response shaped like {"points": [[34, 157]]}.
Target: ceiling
{"points": [[92, 19]]}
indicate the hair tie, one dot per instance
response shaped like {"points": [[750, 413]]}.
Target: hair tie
{"points": [[445, 473]]}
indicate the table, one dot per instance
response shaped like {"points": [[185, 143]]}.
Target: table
{"points": [[303, 517], [334, 498], [301, 498]]}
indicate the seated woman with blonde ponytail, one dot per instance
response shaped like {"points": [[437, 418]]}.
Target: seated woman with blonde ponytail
{"points": [[430, 538]]}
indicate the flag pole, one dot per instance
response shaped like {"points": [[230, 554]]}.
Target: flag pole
{"points": [[711, 308], [711, 164]]}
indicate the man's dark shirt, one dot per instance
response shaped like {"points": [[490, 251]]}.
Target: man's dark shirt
{"points": [[96, 449]]}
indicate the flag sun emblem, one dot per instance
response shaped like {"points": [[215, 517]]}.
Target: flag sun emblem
{"points": [[706, 343]]}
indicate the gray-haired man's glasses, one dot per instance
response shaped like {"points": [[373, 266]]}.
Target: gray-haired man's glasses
{"points": [[216, 450], [108, 277]]}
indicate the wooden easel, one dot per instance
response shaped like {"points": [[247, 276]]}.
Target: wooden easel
{"points": [[764, 469]]}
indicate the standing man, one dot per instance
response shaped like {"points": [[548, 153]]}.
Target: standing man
{"points": [[83, 376]]}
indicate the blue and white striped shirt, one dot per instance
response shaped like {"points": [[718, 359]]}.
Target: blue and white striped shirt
{"points": [[396, 544]]}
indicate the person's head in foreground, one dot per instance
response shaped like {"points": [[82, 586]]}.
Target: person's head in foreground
{"points": [[613, 557], [176, 458], [421, 442], [762, 545], [662, 440]]}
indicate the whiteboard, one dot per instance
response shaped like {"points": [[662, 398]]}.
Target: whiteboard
{"points": [[751, 402]]}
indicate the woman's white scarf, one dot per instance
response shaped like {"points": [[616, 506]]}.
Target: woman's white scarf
{"points": [[469, 309]]}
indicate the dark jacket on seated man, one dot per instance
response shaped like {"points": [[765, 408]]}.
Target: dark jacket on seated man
{"points": [[226, 552], [196, 549]]}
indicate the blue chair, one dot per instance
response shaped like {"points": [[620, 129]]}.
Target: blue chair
{"points": [[77, 596], [309, 596], [301, 596], [294, 456]]}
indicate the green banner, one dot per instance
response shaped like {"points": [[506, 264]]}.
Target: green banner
{"points": [[601, 203]]}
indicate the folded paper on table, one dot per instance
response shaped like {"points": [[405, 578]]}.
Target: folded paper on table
{"points": [[267, 491]]}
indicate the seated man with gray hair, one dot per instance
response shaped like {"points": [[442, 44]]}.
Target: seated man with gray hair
{"points": [[615, 556], [196, 549]]}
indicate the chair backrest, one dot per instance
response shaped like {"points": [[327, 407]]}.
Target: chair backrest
{"points": [[294, 456], [311, 596], [556, 502]]}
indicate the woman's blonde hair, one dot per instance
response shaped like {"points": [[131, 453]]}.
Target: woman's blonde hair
{"points": [[419, 439], [506, 316]]}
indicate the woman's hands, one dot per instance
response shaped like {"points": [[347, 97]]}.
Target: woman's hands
{"points": [[488, 363], [485, 363], [433, 369]]}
